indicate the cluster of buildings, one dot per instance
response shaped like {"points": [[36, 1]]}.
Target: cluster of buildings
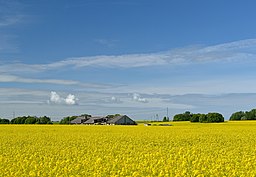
{"points": [[116, 120]]}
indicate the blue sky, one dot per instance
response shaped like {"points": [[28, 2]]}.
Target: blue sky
{"points": [[60, 58]]}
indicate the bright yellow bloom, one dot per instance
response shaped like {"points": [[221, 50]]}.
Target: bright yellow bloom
{"points": [[185, 149]]}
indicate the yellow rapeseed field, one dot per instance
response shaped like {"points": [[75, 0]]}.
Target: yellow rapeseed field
{"points": [[184, 149]]}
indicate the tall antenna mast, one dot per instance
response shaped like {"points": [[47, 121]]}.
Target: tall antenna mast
{"points": [[167, 113]]}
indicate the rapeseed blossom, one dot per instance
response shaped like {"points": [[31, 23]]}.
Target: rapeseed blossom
{"points": [[185, 149]]}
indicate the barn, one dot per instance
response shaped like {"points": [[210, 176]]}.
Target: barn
{"points": [[121, 120], [116, 120]]}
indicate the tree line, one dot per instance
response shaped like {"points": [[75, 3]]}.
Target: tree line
{"points": [[214, 117], [241, 115], [203, 118], [27, 120]]}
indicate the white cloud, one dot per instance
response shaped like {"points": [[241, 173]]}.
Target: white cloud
{"points": [[71, 99], [138, 98], [57, 99]]}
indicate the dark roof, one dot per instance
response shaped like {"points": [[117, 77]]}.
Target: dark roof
{"points": [[91, 120], [77, 120], [114, 120]]}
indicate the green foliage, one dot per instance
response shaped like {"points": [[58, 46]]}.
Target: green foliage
{"points": [[183, 117], [203, 118], [67, 120], [166, 119], [112, 115], [195, 118], [215, 117], [44, 120], [248, 115], [19, 120], [31, 120], [211, 118], [4, 121], [237, 115]]}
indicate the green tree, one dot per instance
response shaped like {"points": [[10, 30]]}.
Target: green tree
{"points": [[19, 120], [211, 118], [195, 117], [44, 120], [215, 117], [250, 115], [182, 117], [30, 120], [4, 121], [203, 118], [165, 119], [112, 115], [237, 115], [67, 120]]}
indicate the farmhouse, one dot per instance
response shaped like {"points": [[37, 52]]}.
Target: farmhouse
{"points": [[116, 120]]}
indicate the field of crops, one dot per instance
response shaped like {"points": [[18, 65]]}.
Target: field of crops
{"points": [[184, 149]]}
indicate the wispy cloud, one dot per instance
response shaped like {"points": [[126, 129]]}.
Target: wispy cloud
{"points": [[106, 42], [243, 50], [9, 20], [13, 78], [8, 43], [10, 13]]}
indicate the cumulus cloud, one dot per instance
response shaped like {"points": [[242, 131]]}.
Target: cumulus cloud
{"points": [[55, 98], [71, 99], [138, 98]]}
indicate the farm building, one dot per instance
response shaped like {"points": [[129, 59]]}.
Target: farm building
{"points": [[116, 120], [121, 120], [79, 120], [95, 120]]}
